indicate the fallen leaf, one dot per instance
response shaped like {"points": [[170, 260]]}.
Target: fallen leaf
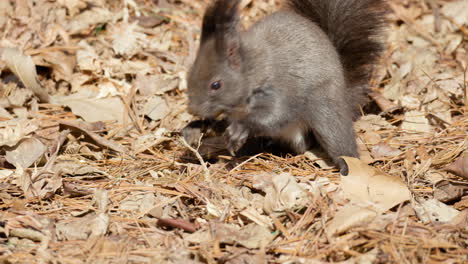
{"points": [[144, 142], [89, 226], [434, 211], [349, 216], [372, 138], [75, 190], [383, 150], [19, 97], [23, 67], [12, 131], [159, 84], [82, 228], [31, 234], [364, 152], [156, 108], [26, 225], [462, 204], [25, 220], [140, 203], [127, 41], [151, 21], [370, 191], [415, 121], [253, 236], [73, 168], [73, 6], [457, 11], [98, 139], [460, 166], [130, 67], [62, 63], [93, 109], [25, 153], [6, 173], [40, 185], [461, 220], [244, 257], [21, 112], [320, 186], [371, 123], [4, 114], [365, 184], [435, 177], [282, 192], [385, 105], [255, 216], [250, 236], [101, 200], [410, 101], [87, 20], [446, 191], [5, 10], [320, 158], [87, 58], [451, 84]]}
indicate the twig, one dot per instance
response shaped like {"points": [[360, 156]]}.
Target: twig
{"points": [[53, 156], [244, 162], [436, 10], [464, 85], [197, 154], [98, 139], [179, 223], [130, 111]]}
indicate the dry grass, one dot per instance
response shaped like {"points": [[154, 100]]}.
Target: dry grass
{"points": [[132, 191]]}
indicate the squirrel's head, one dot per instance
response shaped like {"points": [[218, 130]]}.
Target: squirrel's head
{"points": [[215, 81]]}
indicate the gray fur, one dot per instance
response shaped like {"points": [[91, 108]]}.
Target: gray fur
{"points": [[283, 78]]}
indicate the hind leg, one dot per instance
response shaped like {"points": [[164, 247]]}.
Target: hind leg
{"points": [[332, 126], [295, 136]]}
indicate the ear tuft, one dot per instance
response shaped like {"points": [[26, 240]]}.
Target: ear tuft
{"points": [[220, 18], [221, 22]]}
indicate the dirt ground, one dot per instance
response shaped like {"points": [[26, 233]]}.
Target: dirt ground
{"points": [[94, 168]]}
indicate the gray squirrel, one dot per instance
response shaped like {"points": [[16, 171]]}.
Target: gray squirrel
{"points": [[301, 71]]}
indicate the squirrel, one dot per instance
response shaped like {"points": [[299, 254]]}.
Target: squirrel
{"points": [[302, 71]]}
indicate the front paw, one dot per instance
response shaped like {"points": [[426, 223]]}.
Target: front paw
{"points": [[237, 136]]}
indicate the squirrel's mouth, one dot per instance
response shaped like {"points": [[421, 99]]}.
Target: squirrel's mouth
{"points": [[216, 115], [218, 112], [205, 111]]}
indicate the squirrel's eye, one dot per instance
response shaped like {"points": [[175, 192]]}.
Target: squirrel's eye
{"points": [[215, 85]]}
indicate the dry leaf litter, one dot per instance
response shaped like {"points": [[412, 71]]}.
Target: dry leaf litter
{"points": [[94, 169]]}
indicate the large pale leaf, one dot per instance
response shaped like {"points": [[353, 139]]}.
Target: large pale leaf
{"points": [[93, 109], [371, 192]]}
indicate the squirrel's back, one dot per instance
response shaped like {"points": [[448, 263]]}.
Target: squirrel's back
{"points": [[293, 52], [287, 58], [354, 28]]}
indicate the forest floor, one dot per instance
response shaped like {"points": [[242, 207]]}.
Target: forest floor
{"points": [[94, 168]]}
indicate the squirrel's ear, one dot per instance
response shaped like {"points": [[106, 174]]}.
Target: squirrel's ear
{"points": [[228, 46], [221, 21]]}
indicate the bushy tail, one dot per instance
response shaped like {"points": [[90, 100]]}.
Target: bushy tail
{"points": [[353, 26]]}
